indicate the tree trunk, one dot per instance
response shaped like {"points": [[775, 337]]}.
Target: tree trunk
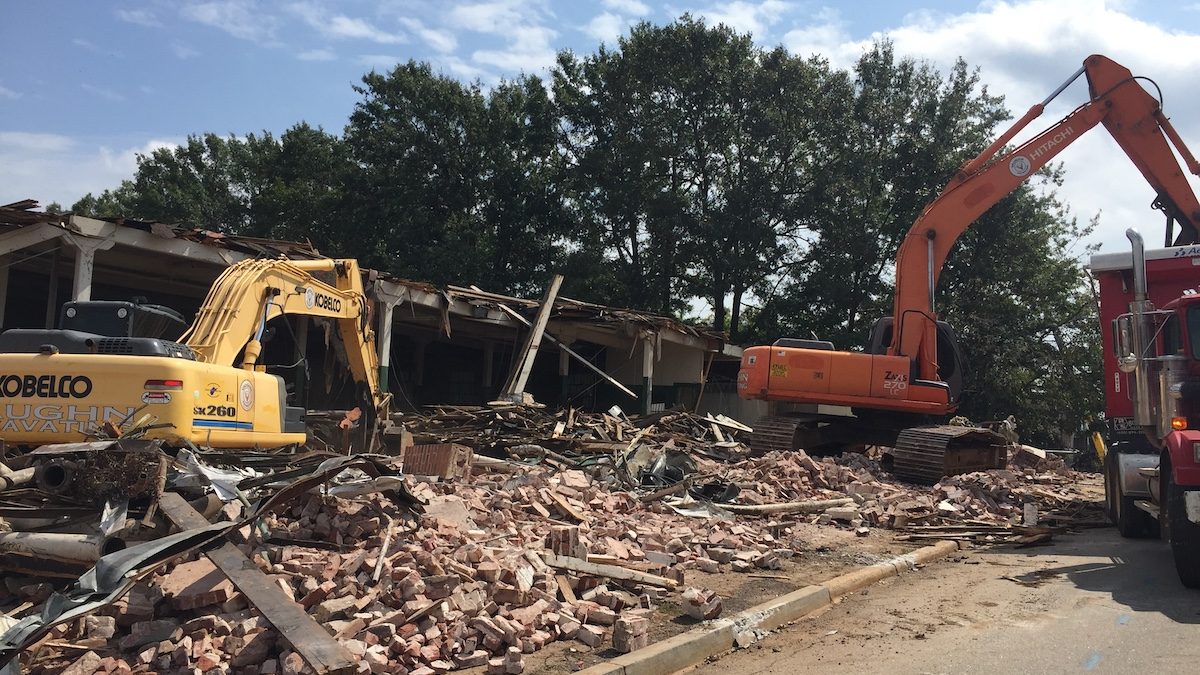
{"points": [[735, 316], [718, 309]]}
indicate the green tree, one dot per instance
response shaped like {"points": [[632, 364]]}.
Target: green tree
{"points": [[199, 182], [298, 188], [520, 203], [904, 129], [415, 136], [688, 155], [113, 203]]}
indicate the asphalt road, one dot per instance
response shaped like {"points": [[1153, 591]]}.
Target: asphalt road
{"points": [[1089, 603]]}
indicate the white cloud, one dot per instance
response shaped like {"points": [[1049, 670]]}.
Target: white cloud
{"points": [[530, 50], [317, 55], [346, 27], [519, 24], [103, 92], [441, 40], [20, 141], [141, 17], [628, 6], [488, 17], [466, 71], [5, 92], [1024, 49], [825, 33], [746, 17], [183, 52], [379, 62], [342, 27], [240, 18], [51, 167], [93, 47], [606, 27]]}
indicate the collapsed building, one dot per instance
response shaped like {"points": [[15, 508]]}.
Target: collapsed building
{"points": [[492, 530], [446, 345]]}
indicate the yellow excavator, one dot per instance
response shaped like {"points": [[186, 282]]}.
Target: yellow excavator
{"points": [[112, 362]]}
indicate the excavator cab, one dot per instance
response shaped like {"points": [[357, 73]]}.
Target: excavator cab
{"points": [[949, 353], [123, 319]]}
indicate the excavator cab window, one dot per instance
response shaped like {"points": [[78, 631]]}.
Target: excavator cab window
{"points": [[950, 358]]}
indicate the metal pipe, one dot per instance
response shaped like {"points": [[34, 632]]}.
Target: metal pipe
{"points": [[929, 239], [56, 476], [1139, 264], [16, 479], [80, 548], [1143, 409], [1054, 94]]}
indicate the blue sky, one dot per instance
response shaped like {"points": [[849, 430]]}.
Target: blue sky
{"points": [[84, 86]]}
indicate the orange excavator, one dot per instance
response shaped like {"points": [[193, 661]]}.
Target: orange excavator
{"points": [[910, 376]]}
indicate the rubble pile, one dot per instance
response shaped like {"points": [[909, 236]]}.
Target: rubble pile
{"points": [[474, 580], [996, 496], [497, 429], [565, 526]]}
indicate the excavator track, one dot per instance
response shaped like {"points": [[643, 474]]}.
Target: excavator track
{"points": [[925, 454], [772, 433]]}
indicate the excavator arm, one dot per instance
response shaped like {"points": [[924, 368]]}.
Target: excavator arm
{"points": [[251, 293], [1130, 114]]}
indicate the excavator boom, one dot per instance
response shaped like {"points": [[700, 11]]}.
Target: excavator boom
{"points": [[249, 294], [911, 371], [1130, 114]]}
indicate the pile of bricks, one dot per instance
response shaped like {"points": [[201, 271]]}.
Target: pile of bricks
{"points": [[462, 585], [997, 495], [475, 581]]}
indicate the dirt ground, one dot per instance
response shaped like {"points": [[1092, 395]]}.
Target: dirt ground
{"points": [[1090, 602]]}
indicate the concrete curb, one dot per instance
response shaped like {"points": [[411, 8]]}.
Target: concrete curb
{"points": [[719, 636]]}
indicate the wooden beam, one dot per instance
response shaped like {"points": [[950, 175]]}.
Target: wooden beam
{"points": [[514, 389], [563, 562], [318, 648], [514, 314], [787, 507]]}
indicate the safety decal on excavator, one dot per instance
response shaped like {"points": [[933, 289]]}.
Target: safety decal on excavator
{"points": [[779, 370], [246, 395], [1019, 166]]}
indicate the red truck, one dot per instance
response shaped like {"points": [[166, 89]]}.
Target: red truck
{"points": [[1150, 307]]}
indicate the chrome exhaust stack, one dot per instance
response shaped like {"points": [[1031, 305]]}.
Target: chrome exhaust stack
{"points": [[1141, 337]]}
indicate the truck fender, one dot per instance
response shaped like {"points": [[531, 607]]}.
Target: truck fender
{"points": [[1132, 482], [1181, 446]]}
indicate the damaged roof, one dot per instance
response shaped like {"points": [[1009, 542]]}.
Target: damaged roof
{"points": [[22, 214]]}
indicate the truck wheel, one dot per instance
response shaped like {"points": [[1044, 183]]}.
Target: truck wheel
{"points": [[1183, 533], [1131, 522]]}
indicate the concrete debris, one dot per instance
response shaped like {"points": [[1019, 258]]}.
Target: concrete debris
{"points": [[533, 528], [701, 605]]}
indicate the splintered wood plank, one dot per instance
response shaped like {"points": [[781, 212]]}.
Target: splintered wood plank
{"points": [[565, 506], [610, 571], [564, 587], [319, 649]]}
